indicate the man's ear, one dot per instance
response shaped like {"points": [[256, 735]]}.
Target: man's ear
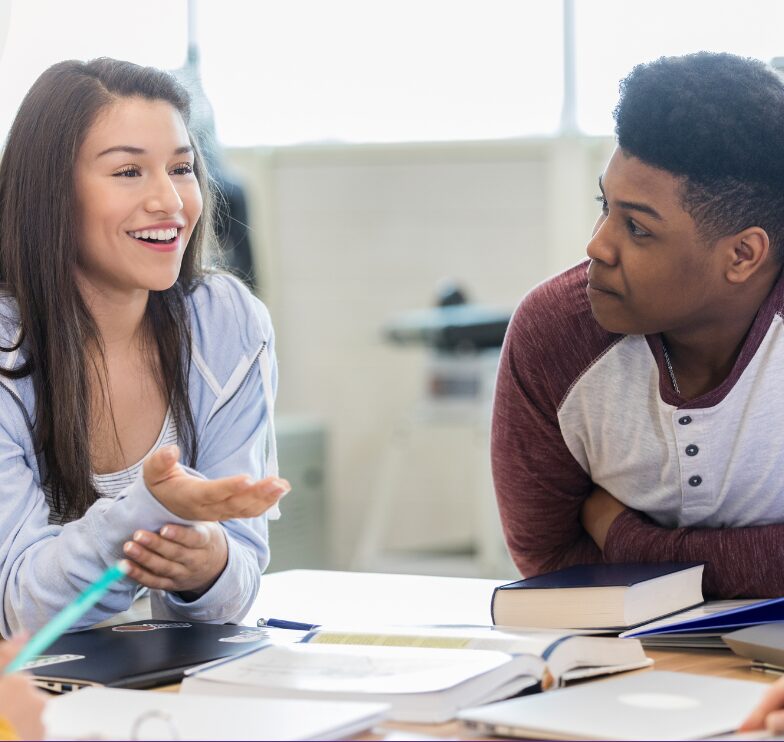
{"points": [[747, 252]]}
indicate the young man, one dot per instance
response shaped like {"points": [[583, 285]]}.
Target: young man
{"points": [[639, 411]]}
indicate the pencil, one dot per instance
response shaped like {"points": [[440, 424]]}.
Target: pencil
{"points": [[42, 639]]}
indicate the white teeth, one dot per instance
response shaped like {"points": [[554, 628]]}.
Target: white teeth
{"points": [[161, 235]]}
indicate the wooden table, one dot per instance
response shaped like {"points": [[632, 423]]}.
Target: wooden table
{"points": [[367, 599]]}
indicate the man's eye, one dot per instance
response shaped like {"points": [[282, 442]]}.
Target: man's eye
{"points": [[637, 231]]}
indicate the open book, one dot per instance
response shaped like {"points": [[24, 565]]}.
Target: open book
{"points": [[553, 657], [424, 674]]}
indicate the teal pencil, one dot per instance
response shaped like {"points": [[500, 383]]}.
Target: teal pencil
{"points": [[42, 639]]}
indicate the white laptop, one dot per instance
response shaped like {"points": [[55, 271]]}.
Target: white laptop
{"points": [[643, 706]]}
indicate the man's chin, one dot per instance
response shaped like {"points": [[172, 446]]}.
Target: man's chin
{"points": [[616, 325]]}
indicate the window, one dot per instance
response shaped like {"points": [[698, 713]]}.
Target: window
{"points": [[42, 32], [381, 70], [611, 36], [290, 71]]}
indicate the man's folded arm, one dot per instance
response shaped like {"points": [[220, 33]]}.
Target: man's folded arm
{"points": [[740, 562], [539, 485]]}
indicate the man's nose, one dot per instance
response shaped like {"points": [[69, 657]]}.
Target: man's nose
{"points": [[601, 246]]}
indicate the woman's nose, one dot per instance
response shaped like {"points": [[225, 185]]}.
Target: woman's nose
{"points": [[163, 196]]}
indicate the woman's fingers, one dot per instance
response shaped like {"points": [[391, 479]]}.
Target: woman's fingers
{"points": [[152, 562], [192, 537], [222, 499], [255, 500], [155, 543], [218, 491], [161, 465], [150, 579], [194, 498]]}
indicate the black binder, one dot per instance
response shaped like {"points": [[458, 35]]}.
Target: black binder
{"points": [[139, 654]]}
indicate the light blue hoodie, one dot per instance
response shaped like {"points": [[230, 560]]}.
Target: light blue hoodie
{"points": [[43, 567]]}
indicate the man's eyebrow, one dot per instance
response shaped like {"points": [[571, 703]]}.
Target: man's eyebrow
{"points": [[128, 149], [635, 206]]}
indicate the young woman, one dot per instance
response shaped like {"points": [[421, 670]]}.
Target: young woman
{"points": [[136, 388]]}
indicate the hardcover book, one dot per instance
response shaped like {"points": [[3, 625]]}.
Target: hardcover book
{"points": [[598, 596]]}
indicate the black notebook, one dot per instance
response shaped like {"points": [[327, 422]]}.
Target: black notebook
{"points": [[139, 654]]}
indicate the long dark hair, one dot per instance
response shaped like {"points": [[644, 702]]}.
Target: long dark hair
{"points": [[39, 240]]}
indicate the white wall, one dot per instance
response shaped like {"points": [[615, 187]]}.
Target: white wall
{"points": [[347, 237]]}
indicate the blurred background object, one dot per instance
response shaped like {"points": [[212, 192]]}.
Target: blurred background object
{"points": [[439, 450], [231, 210]]}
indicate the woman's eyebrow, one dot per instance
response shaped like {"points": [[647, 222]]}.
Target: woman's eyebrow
{"points": [[128, 149]]}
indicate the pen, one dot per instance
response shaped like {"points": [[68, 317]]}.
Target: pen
{"points": [[277, 623], [41, 640]]}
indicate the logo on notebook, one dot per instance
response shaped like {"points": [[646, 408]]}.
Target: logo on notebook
{"points": [[137, 627]]}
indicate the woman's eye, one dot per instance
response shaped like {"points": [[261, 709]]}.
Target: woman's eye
{"points": [[183, 169], [603, 201], [637, 231], [128, 172]]}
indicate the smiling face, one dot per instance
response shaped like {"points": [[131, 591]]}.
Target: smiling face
{"points": [[650, 271], [138, 197]]}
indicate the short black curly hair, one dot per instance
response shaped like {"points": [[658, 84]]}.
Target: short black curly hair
{"points": [[716, 121]]}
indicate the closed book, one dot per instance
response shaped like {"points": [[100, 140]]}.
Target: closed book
{"points": [[705, 626], [598, 596]]}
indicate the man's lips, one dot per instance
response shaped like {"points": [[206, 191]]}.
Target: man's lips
{"points": [[596, 286]]}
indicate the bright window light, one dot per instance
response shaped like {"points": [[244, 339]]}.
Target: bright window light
{"points": [[381, 70], [614, 35], [42, 32], [282, 72]]}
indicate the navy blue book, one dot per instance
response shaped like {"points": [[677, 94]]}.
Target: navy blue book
{"points": [[598, 596], [705, 627]]}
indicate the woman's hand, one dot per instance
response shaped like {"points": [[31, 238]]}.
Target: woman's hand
{"points": [[183, 559], [194, 498], [769, 714], [21, 704]]}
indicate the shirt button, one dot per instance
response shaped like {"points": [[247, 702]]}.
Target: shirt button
{"points": [[685, 420], [695, 481], [692, 450]]}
